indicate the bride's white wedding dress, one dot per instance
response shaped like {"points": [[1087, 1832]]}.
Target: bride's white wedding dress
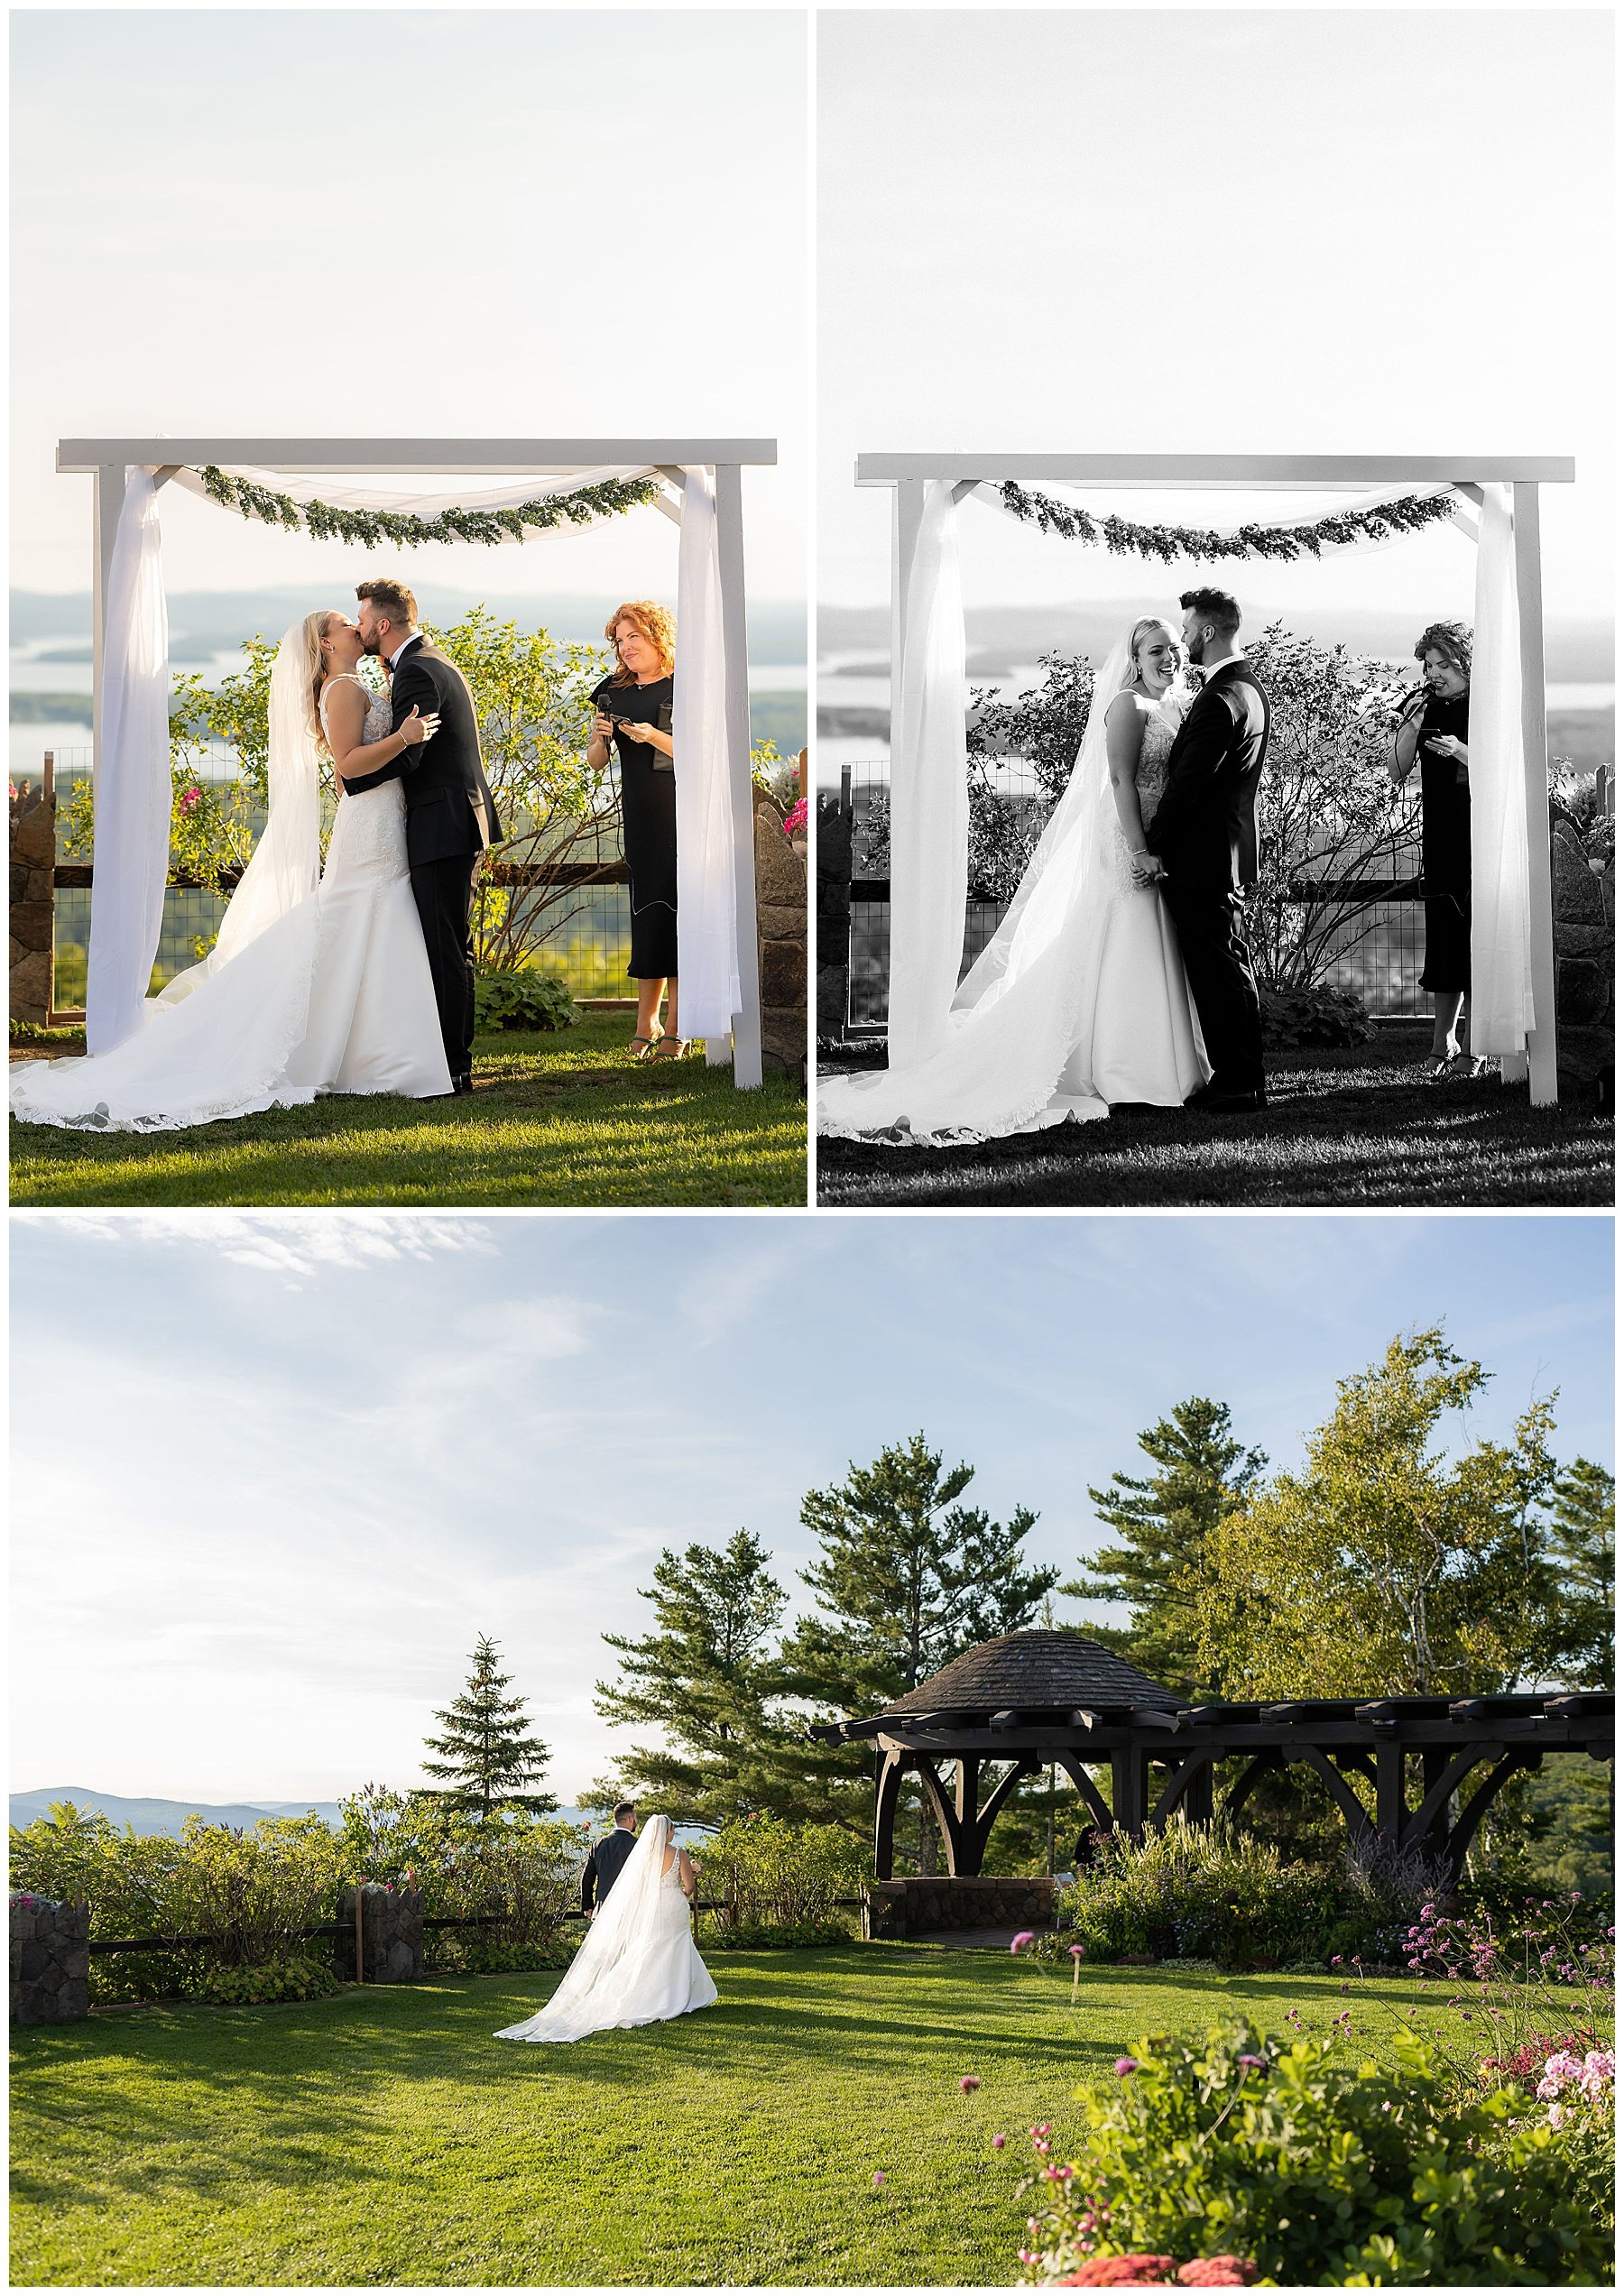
{"points": [[638, 1964], [1080, 999], [311, 987]]}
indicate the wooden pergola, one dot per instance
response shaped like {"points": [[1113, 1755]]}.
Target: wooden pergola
{"points": [[109, 461], [1013, 1708], [909, 474]]}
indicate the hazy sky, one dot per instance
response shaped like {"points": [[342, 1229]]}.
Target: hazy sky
{"points": [[1276, 231], [273, 1475], [197, 201]]}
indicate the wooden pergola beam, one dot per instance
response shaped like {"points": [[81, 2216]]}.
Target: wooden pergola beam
{"points": [[1289, 473]]}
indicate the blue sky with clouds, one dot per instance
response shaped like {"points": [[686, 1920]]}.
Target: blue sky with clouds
{"points": [[271, 1476]]}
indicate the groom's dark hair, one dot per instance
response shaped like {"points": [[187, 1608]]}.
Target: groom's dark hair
{"points": [[624, 1810], [393, 599], [1215, 606]]}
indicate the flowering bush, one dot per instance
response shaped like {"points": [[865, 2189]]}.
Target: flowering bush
{"points": [[1316, 2172], [522, 1869], [1515, 1982], [795, 820]]}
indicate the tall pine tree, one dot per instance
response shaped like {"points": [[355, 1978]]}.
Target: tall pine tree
{"points": [[1163, 1521], [701, 1678], [906, 1577], [487, 1753], [1581, 1547]]}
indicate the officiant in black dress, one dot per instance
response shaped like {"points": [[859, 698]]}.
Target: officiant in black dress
{"points": [[633, 711], [1434, 732]]}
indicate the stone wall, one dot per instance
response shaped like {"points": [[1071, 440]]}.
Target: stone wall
{"points": [[917, 1906], [32, 903], [780, 875], [392, 1934], [49, 1961]]}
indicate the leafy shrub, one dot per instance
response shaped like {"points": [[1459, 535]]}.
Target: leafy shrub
{"points": [[1314, 1016], [748, 1936], [1324, 2174], [1196, 1893], [289, 1976], [477, 1953], [522, 999], [763, 1872], [522, 1868]]}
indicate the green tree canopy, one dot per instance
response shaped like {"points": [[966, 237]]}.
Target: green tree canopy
{"points": [[1163, 1521], [1384, 1565], [702, 1678], [1581, 1547], [487, 1755], [907, 1576]]}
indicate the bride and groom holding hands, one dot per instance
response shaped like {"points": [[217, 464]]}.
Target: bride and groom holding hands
{"points": [[352, 976], [1120, 974]]}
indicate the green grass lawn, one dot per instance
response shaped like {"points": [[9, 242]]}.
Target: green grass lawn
{"points": [[1362, 1126], [554, 1120], [385, 2137]]}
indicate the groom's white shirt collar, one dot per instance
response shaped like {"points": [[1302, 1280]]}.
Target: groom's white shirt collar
{"points": [[1209, 669], [400, 649]]}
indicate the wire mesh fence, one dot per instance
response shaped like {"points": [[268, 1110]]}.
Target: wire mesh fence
{"points": [[1375, 950]]}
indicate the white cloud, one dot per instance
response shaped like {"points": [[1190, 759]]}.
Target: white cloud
{"points": [[294, 1245]]}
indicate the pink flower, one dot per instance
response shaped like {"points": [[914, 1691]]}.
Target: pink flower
{"points": [[191, 798], [1218, 2271], [969, 2081], [1075, 1951], [1255, 2062], [1124, 2066], [999, 2142], [795, 820], [879, 2180], [1022, 1938], [1121, 2272]]}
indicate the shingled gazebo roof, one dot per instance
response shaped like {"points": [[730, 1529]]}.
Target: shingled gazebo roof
{"points": [[1041, 1671]]}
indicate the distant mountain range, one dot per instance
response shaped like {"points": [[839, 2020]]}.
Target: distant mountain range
{"points": [[150, 1815], [1579, 649], [206, 622]]}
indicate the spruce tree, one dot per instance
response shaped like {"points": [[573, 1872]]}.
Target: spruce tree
{"points": [[1163, 1521], [702, 1678], [1581, 1545], [488, 1754], [907, 1576]]}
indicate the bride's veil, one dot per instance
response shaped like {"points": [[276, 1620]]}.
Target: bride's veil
{"points": [[285, 866], [604, 1979], [1021, 1040]]}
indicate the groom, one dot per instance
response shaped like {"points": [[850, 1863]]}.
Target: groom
{"points": [[1204, 837], [604, 1866], [450, 813]]}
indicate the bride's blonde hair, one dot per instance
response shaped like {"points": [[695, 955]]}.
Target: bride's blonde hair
{"points": [[313, 630]]}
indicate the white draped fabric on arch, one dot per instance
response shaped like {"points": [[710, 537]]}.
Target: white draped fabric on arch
{"points": [[1495, 502], [699, 488]]}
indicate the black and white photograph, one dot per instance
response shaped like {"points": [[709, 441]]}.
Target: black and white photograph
{"points": [[1214, 783]]}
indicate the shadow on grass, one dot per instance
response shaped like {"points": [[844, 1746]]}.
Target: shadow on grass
{"points": [[1358, 1126]]}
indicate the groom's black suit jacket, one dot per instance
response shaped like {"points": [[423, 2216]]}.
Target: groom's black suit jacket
{"points": [[449, 808], [1205, 829], [604, 1866]]}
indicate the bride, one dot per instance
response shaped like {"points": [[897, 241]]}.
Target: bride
{"points": [[319, 981], [1079, 1000], [638, 1963]]}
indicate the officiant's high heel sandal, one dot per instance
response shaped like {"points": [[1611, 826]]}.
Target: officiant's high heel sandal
{"points": [[647, 1045], [660, 1052]]}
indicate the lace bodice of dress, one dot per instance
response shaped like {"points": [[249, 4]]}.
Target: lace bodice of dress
{"points": [[369, 830], [380, 710], [1150, 778]]}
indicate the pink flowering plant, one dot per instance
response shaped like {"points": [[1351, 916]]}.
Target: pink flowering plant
{"points": [[1507, 1982], [795, 820], [1240, 2153]]}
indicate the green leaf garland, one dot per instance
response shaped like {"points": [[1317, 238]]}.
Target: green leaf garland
{"points": [[367, 529], [1408, 515]]}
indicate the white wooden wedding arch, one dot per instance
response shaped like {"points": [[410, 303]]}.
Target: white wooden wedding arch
{"points": [[1518, 1022], [702, 474]]}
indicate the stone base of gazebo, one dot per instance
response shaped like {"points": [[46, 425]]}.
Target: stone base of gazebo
{"points": [[920, 1905]]}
